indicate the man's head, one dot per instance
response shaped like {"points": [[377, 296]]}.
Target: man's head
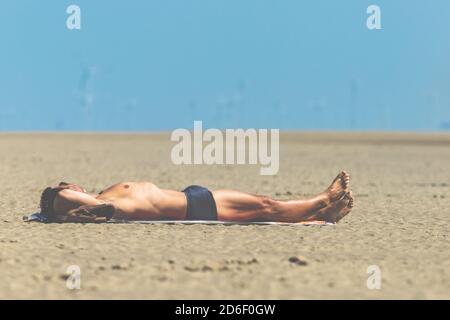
{"points": [[71, 203], [50, 194]]}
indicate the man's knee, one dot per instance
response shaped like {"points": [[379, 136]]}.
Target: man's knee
{"points": [[269, 206]]}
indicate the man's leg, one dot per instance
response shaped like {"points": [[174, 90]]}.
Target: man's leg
{"points": [[238, 206]]}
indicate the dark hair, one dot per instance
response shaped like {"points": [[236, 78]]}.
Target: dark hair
{"points": [[47, 198]]}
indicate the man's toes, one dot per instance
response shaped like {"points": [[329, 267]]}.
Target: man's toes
{"points": [[345, 180], [346, 176], [350, 198], [338, 178]]}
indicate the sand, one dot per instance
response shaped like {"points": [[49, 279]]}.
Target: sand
{"points": [[400, 222]]}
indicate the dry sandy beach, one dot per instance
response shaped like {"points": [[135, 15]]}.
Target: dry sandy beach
{"points": [[400, 222]]}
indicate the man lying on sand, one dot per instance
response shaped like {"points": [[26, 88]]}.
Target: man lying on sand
{"points": [[145, 201]]}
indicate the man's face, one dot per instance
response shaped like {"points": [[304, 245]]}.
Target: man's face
{"points": [[71, 186]]}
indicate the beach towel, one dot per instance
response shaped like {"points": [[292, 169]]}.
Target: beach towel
{"points": [[37, 217]]}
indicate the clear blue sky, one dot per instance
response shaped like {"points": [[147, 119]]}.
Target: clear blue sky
{"points": [[160, 64]]}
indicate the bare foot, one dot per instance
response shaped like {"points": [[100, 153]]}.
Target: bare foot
{"points": [[337, 190], [336, 210], [348, 208]]}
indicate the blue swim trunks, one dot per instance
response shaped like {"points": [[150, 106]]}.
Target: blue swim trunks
{"points": [[200, 204]]}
